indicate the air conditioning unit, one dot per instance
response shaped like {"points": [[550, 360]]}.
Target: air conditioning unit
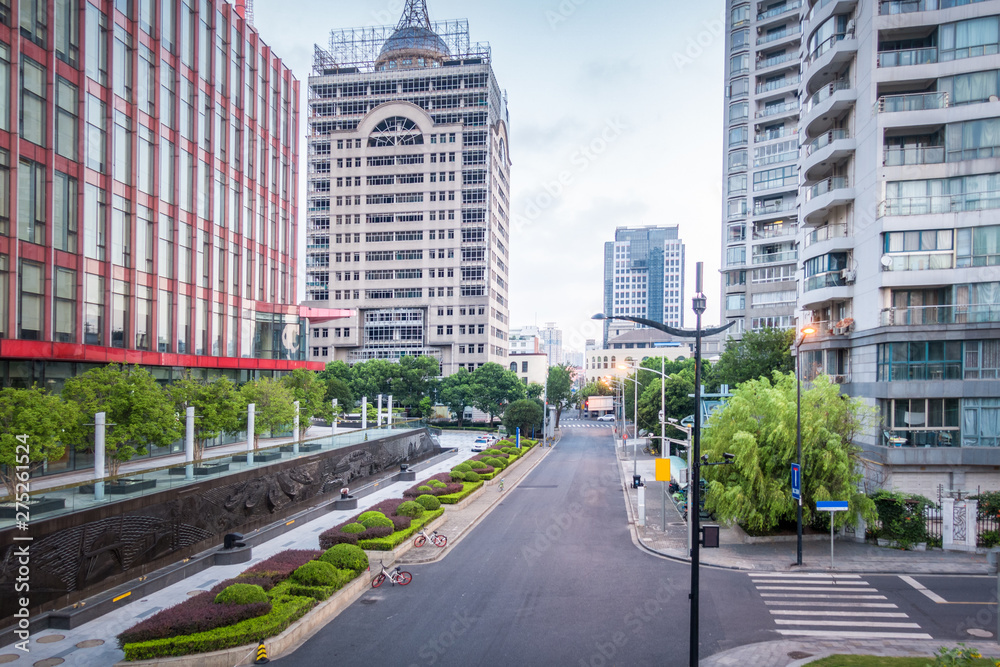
{"points": [[849, 276]]}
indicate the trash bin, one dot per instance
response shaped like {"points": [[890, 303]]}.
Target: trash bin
{"points": [[636, 481], [992, 558]]}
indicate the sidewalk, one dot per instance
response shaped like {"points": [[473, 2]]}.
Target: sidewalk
{"points": [[93, 644]]}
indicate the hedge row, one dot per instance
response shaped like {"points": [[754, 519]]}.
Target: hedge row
{"points": [[456, 498]]}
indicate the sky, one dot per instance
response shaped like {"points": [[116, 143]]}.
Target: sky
{"points": [[615, 119]]}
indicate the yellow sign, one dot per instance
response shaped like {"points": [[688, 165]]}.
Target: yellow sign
{"points": [[662, 470]]}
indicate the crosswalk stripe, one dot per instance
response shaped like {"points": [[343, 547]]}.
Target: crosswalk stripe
{"points": [[846, 634], [802, 575], [817, 588], [850, 614], [849, 624], [824, 597], [828, 582], [852, 605]]}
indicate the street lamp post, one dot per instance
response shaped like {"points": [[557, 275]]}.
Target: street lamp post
{"points": [[699, 304], [798, 436]]}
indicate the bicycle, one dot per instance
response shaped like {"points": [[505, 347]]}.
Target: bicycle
{"points": [[500, 485], [397, 576], [436, 539]]}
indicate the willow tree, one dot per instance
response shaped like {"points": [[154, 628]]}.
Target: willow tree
{"points": [[758, 425]]}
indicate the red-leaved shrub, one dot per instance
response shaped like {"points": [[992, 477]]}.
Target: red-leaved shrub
{"points": [[328, 538], [281, 565]]}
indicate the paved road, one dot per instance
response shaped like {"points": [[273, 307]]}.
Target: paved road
{"points": [[549, 577]]}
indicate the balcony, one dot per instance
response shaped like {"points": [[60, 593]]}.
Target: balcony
{"points": [[928, 315], [827, 233], [825, 187], [824, 140], [823, 196], [774, 61], [935, 204], [771, 135], [827, 44], [908, 57], [824, 280], [825, 93], [780, 34], [775, 208], [778, 11], [776, 257], [899, 156], [777, 109], [912, 102], [769, 86], [890, 7], [773, 232]]}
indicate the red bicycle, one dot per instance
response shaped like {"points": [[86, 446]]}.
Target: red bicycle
{"points": [[397, 576], [436, 540]]}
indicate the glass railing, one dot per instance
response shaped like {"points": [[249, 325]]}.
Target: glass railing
{"points": [[774, 257], [827, 44], [824, 280], [922, 438], [780, 34], [773, 232], [897, 156], [826, 233], [908, 6], [788, 182], [825, 139], [825, 92], [780, 83], [907, 57], [779, 10], [775, 109], [772, 208], [776, 60], [817, 7], [775, 134], [918, 315], [823, 187], [912, 102], [919, 261], [776, 158], [931, 204]]}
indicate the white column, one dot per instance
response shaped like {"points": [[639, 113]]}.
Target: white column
{"points": [[947, 523], [295, 431], [388, 416], [333, 416], [251, 427], [189, 443], [364, 413], [100, 420], [641, 493], [378, 411], [972, 524]]}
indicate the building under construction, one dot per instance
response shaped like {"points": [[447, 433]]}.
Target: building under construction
{"points": [[408, 207]]}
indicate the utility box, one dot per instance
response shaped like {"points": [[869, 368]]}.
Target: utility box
{"points": [[710, 537]]}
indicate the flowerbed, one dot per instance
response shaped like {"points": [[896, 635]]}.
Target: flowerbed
{"points": [[291, 582], [455, 498], [380, 538]]}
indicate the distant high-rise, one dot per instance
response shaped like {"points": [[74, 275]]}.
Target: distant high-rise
{"points": [[644, 275], [408, 201]]}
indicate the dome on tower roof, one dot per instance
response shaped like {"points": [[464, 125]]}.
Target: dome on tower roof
{"points": [[413, 42]]}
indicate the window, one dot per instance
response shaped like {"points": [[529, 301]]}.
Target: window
{"points": [[64, 306], [97, 51], [736, 302], [972, 88], [64, 220], [968, 39], [774, 178], [93, 304], [65, 113], [943, 195], [34, 20], [981, 360], [96, 134], [31, 202], [738, 136], [739, 64], [978, 246], [739, 39], [30, 307], [933, 360], [739, 111], [923, 422], [773, 298], [32, 101], [67, 30]]}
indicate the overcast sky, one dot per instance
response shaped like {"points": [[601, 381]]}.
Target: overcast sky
{"points": [[622, 100]]}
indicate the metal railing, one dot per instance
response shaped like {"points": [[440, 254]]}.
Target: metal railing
{"points": [[764, 63], [826, 233], [825, 139], [776, 134], [775, 36], [887, 7], [912, 102], [779, 10], [768, 86], [952, 314], [825, 92], [775, 257], [931, 204], [898, 156], [826, 186], [827, 44], [775, 109], [907, 57], [771, 208]]}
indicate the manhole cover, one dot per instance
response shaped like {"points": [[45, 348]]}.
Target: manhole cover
{"points": [[90, 643], [976, 632], [8, 657], [799, 655], [49, 662], [48, 639]]}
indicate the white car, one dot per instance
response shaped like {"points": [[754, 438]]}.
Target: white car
{"points": [[606, 418], [483, 443]]}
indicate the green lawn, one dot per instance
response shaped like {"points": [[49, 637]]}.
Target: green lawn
{"points": [[876, 661]]}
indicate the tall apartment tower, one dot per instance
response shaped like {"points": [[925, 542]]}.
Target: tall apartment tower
{"points": [[644, 275], [899, 175], [409, 190], [760, 183], [148, 186]]}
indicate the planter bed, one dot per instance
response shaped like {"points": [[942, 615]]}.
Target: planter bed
{"points": [[121, 487], [392, 541], [200, 471], [33, 506], [304, 447], [258, 457], [455, 498]]}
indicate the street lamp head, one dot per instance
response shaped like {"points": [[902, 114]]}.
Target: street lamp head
{"points": [[808, 330], [699, 304], [599, 316], [729, 457]]}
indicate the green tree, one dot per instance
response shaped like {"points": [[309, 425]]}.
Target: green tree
{"points": [[310, 391], [217, 407], [413, 381], [274, 410], [139, 413], [374, 377], [596, 388], [758, 425], [534, 390], [456, 392], [525, 414], [34, 427], [493, 387], [558, 388], [757, 355]]}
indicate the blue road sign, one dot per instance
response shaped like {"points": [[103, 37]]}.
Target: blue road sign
{"points": [[796, 481], [831, 505]]}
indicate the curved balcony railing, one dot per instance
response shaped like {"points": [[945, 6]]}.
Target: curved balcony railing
{"points": [[825, 92], [825, 186], [825, 139], [823, 280], [826, 233], [907, 57], [827, 44]]}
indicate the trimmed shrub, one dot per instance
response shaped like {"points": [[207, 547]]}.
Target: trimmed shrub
{"points": [[280, 566], [437, 484], [375, 521], [410, 508], [471, 477], [458, 475], [397, 538], [492, 452], [353, 528], [367, 515], [494, 462], [241, 594], [465, 466], [429, 502], [199, 613], [476, 465], [424, 488], [346, 557], [319, 573], [334, 536], [401, 522], [376, 532]]}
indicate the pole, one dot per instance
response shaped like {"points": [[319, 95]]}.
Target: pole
{"points": [[251, 428], [378, 411], [364, 413], [663, 407], [333, 416], [388, 413], [694, 483], [798, 453], [100, 422], [832, 514], [189, 443]]}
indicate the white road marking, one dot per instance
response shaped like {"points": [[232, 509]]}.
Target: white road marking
{"points": [[852, 605], [823, 597], [848, 614], [848, 624], [920, 587], [845, 634], [803, 575], [817, 588]]}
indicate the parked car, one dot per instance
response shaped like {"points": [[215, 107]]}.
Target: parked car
{"points": [[483, 443], [606, 418]]}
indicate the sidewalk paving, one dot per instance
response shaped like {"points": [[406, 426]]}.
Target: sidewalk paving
{"points": [[93, 644]]}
